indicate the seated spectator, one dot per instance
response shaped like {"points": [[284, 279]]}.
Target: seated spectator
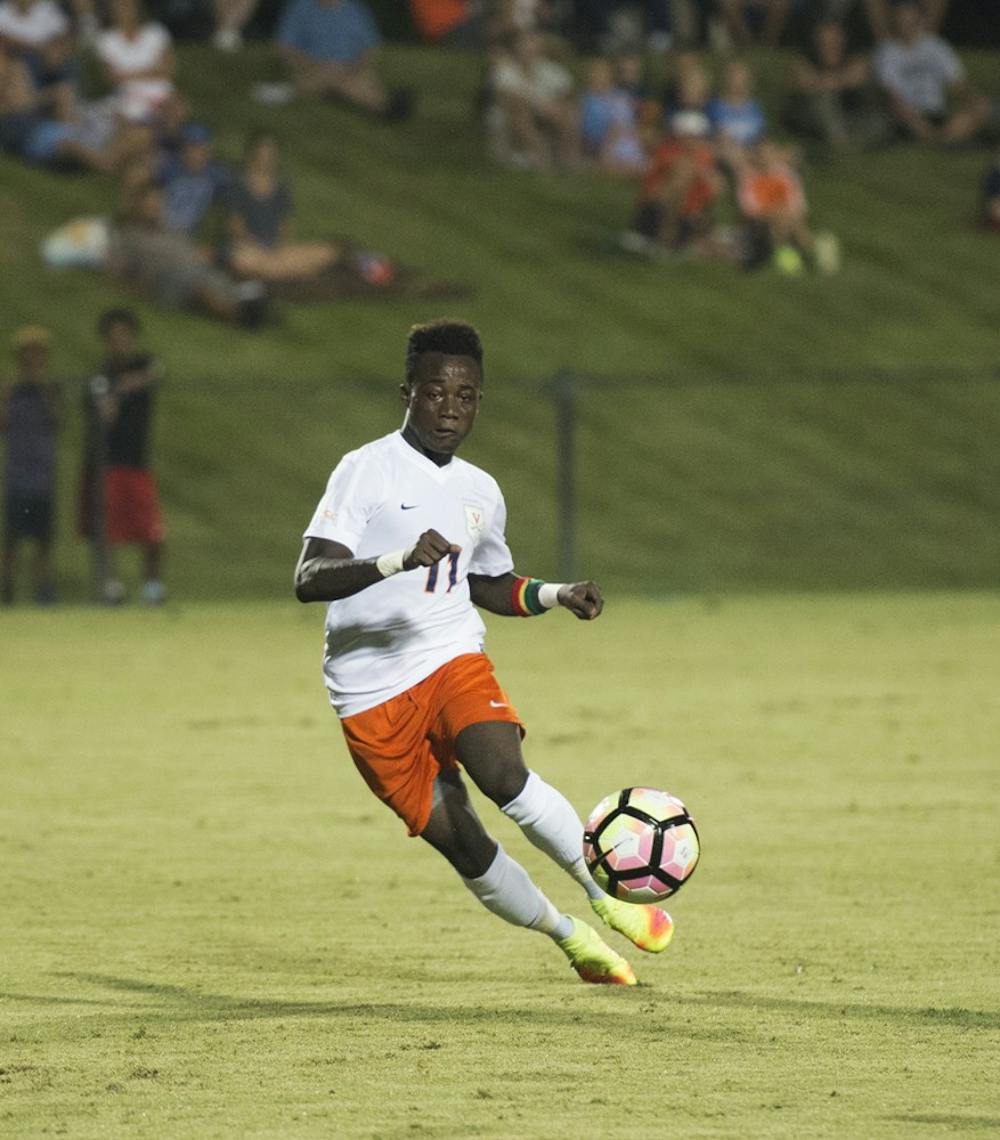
{"points": [[772, 200], [452, 23], [138, 61], [879, 13], [330, 48], [832, 99], [931, 99], [231, 17], [168, 267], [259, 211], [535, 119], [746, 20], [608, 123], [29, 421], [688, 95], [736, 114], [681, 186], [66, 137], [510, 17], [990, 214], [193, 180], [38, 31]]}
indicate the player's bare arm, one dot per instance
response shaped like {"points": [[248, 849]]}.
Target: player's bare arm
{"points": [[499, 596], [328, 571]]}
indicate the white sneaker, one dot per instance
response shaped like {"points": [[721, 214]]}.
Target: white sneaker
{"points": [[113, 592], [154, 593]]}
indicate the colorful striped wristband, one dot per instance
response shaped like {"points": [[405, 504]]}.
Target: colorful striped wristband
{"points": [[524, 597]]}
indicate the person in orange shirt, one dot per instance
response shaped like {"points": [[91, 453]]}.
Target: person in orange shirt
{"points": [[771, 198], [681, 186], [453, 23]]}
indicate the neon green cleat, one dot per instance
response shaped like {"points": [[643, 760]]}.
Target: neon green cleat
{"points": [[593, 960], [648, 927]]}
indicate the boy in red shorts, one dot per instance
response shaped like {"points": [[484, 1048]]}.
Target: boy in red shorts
{"points": [[405, 543], [124, 396]]}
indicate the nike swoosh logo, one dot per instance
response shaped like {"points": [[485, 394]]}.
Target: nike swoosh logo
{"points": [[411, 507], [498, 705]]}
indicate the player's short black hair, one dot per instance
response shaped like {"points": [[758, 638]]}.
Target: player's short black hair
{"points": [[112, 317], [454, 338]]}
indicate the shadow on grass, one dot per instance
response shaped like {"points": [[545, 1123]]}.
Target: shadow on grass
{"points": [[914, 1015], [951, 1120], [182, 1003]]}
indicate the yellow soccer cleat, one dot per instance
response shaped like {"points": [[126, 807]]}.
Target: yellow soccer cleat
{"points": [[593, 960], [648, 927]]}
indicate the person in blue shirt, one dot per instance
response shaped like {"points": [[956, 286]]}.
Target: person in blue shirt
{"points": [[735, 114], [193, 180], [330, 47]]}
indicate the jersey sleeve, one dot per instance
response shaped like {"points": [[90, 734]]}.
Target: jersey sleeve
{"points": [[492, 556], [352, 495]]}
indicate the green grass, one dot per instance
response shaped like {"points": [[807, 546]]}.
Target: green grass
{"points": [[890, 479], [211, 929]]}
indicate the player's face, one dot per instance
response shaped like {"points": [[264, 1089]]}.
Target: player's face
{"points": [[441, 403]]}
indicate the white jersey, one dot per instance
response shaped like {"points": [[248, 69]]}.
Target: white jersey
{"points": [[382, 497]]}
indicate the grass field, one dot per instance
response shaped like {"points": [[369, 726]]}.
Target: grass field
{"points": [[212, 930]]}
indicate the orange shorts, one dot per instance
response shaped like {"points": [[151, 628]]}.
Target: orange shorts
{"points": [[401, 745]]}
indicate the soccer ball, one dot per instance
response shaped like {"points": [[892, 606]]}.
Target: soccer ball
{"points": [[640, 845]]}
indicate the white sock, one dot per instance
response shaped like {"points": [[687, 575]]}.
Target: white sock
{"points": [[507, 891], [550, 822]]}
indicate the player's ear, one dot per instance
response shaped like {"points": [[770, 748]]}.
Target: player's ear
{"points": [[404, 394]]}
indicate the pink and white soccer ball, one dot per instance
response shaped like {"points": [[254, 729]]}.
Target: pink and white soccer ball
{"points": [[641, 845]]}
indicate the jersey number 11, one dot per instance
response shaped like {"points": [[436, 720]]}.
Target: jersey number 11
{"points": [[432, 574]]}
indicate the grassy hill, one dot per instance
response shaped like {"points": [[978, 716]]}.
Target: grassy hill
{"points": [[781, 479]]}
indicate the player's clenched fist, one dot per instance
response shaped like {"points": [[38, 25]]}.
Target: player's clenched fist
{"points": [[429, 548], [583, 599]]}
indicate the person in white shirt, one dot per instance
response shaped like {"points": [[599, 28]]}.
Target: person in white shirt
{"points": [[930, 97], [535, 117], [38, 32], [407, 540], [138, 61]]}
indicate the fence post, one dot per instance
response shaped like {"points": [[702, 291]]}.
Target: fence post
{"points": [[563, 388]]}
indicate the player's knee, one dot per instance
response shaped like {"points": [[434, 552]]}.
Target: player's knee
{"points": [[505, 783]]}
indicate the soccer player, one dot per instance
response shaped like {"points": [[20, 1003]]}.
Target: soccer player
{"points": [[405, 543]]}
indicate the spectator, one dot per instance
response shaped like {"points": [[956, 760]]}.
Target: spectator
{"points": [[66, 136], [231, 17], [138, 61], [832, 99], [594, 23], [510, 17], [736, 114], [452, 23], [931, 99], [535, 118], [608, 123], [193, 181], [680, 189], [167, 265], [879, 13], [747, 19], [29, 420], [259, 212], [990, 214], [330, 48], [773, 203], [687, 95], [124, 395], [38, 31]]}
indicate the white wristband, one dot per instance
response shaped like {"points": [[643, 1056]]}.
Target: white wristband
{"points": [[391, 563], [548, 594]]}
